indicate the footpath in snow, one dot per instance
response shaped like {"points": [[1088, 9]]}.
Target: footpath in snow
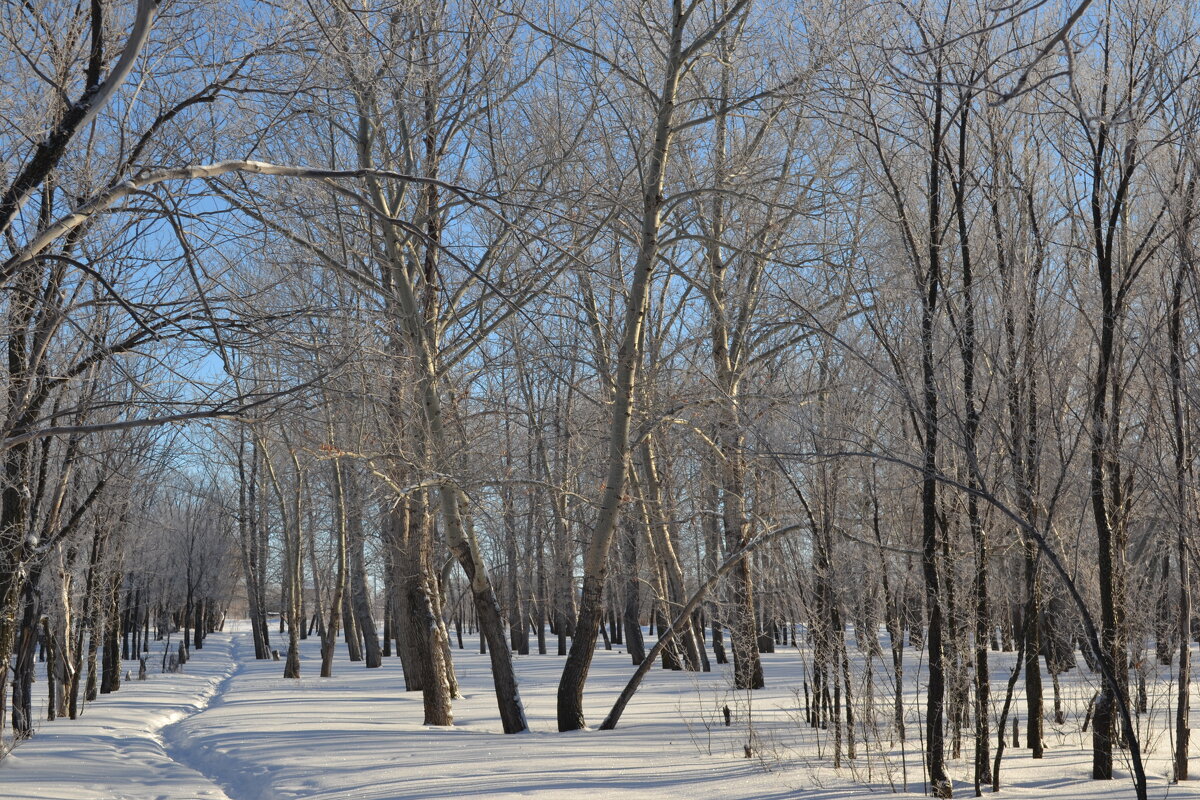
{"points": [[115, 750]]}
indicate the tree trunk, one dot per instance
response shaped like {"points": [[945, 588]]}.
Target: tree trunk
{"points": [[1033, 650], [939, 782], [685, 649], [23, 668], [110, 680], [329, 634], [293, 554], [363, 616], [631, 616], [1184, 511]]}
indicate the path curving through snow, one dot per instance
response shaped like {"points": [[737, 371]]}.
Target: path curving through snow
{"points": [[180, 748], [116, 750]]}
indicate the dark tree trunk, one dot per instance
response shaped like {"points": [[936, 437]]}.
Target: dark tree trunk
{"points": [[631, 616], [939, 782], [1184, 512], [23, 667], [110, 680]]}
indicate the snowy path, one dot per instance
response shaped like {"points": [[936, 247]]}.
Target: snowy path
{"points": [[179, 749], [115, 750], [231, 728]]}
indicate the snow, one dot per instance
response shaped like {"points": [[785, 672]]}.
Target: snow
{"points": [[231, 728]]}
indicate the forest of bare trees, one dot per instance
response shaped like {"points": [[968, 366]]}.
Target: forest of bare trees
{"points": [[866, 327]]}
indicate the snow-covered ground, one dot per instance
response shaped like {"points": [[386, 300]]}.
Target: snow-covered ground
{"points": [[231, 727]]}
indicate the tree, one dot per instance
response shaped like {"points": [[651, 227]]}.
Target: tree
{"points": [[678, 59]]}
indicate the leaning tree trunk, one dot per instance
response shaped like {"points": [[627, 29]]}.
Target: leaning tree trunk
{"points": [[461, 538]]}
